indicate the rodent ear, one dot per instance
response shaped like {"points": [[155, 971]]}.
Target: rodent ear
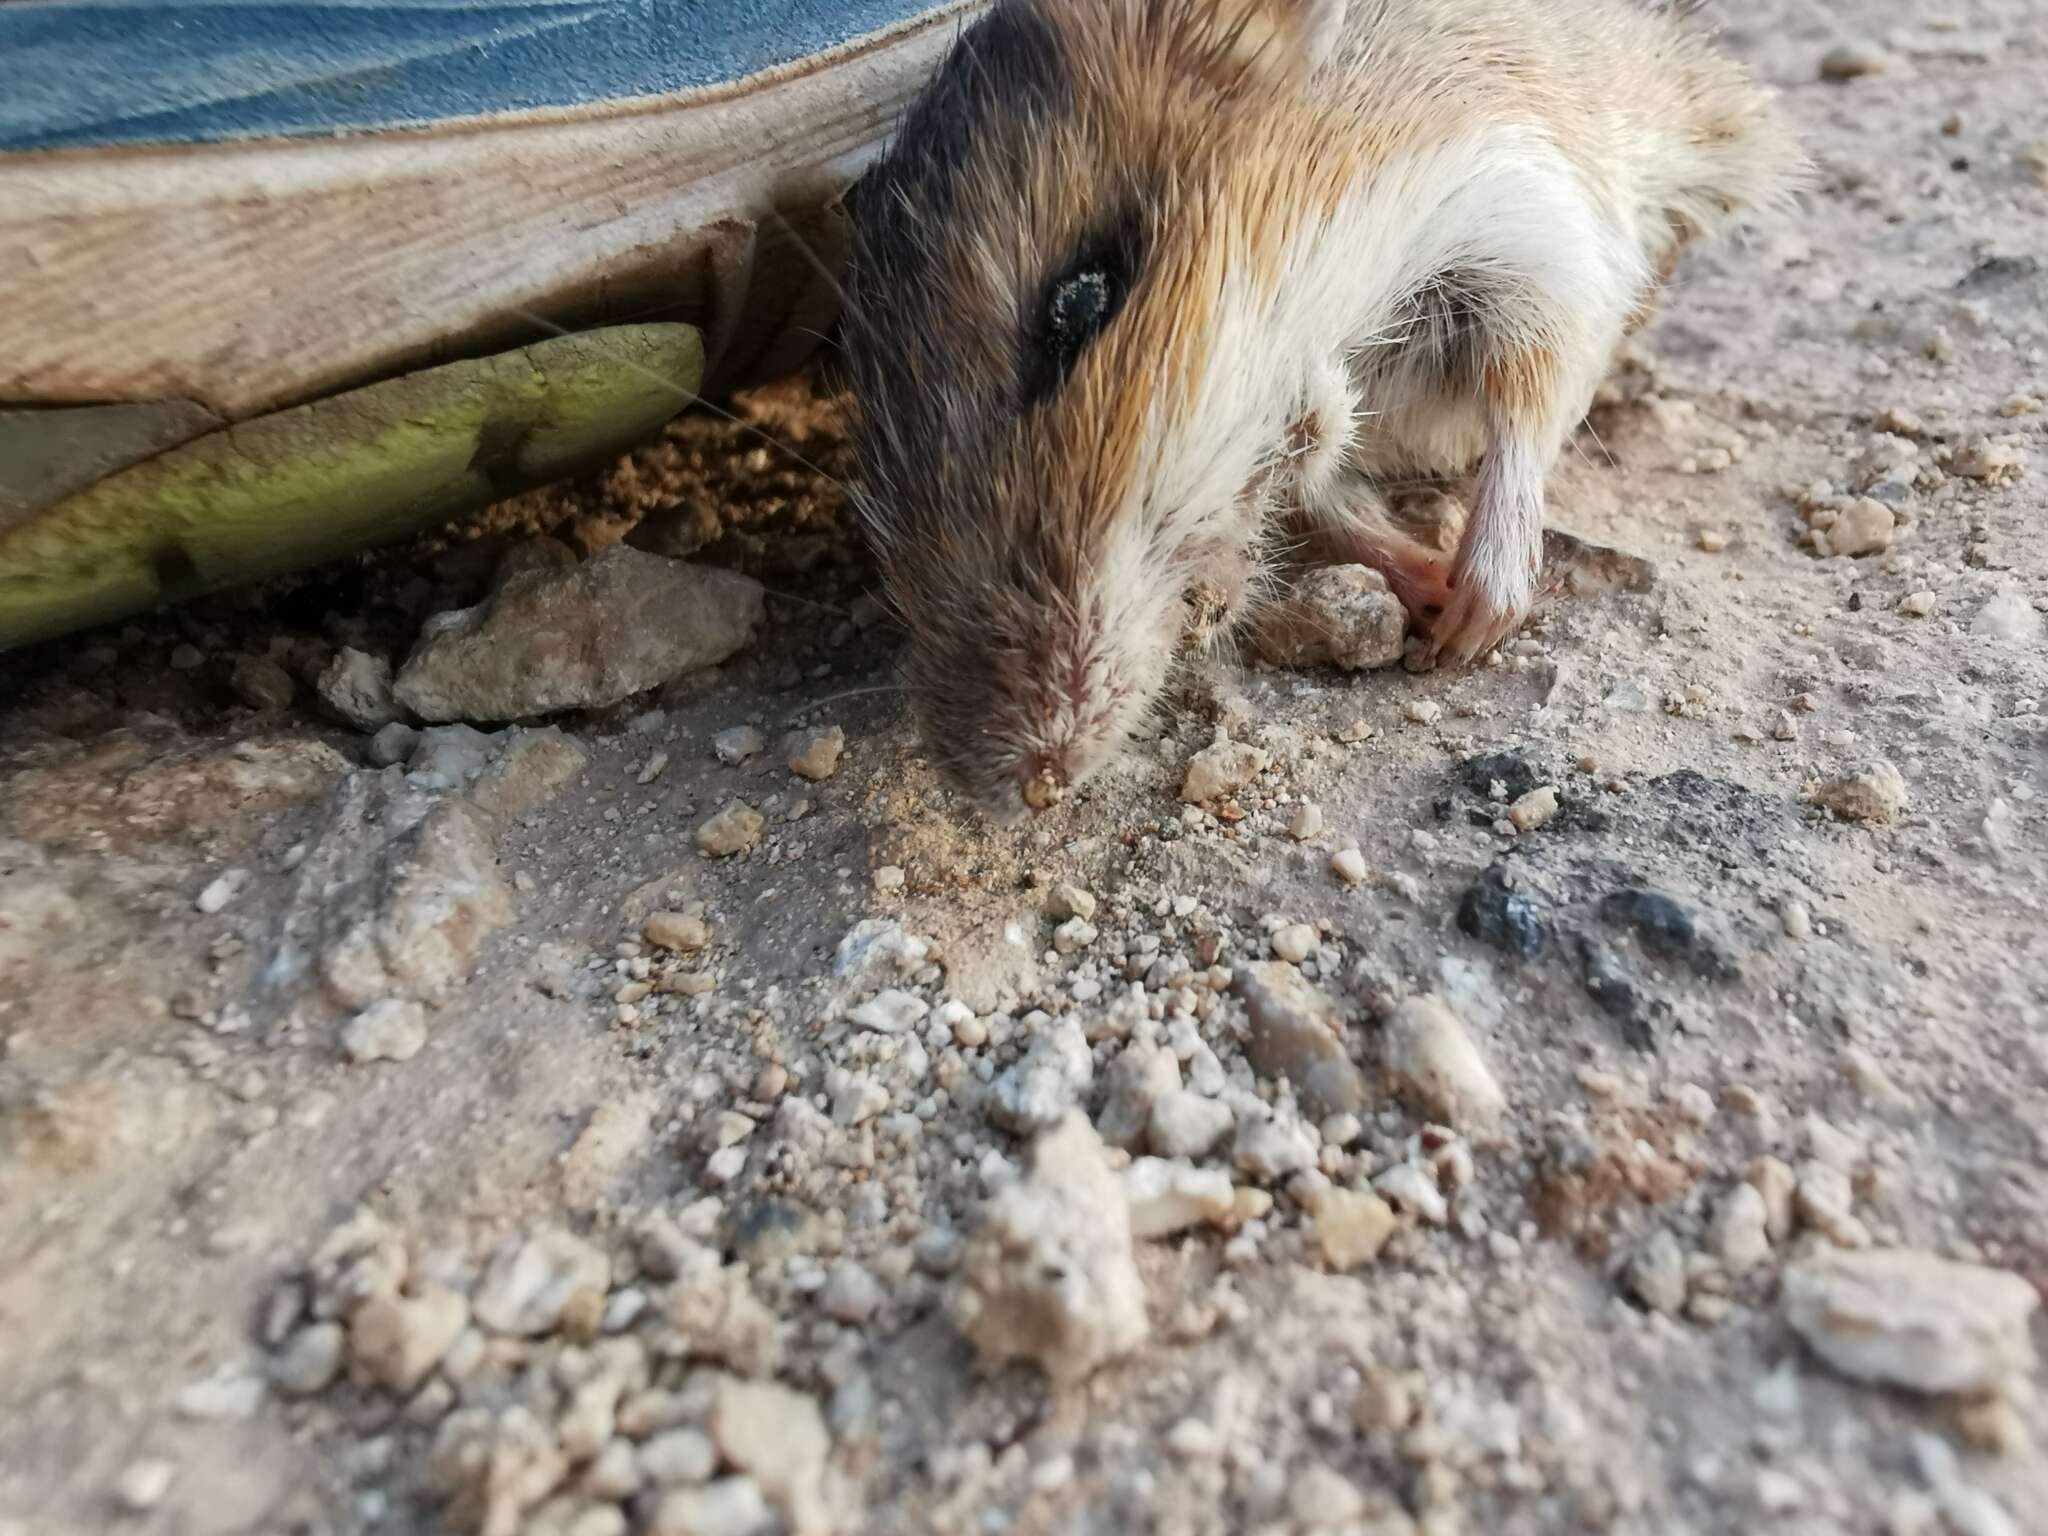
{"points": [[1266, 42]]}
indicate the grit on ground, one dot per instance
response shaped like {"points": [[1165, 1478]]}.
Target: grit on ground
{"points": [[1604, 1090]]}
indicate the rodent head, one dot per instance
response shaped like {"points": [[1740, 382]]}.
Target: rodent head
{"points": [[1070, 404]]}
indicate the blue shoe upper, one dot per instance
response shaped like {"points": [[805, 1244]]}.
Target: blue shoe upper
{"points": [[108, 72]]}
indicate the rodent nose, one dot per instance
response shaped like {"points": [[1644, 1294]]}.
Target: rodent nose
{"points": [[1045, 789]]}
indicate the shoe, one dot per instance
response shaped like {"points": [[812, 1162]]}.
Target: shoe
{"points": [[414, 254]]}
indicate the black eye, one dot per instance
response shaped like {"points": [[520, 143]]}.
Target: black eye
{"points": [[1078, 305], [1078, 311]]}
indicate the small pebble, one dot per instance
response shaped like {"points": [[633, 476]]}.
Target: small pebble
{"points": [[1864, 528], [1795, 916], [221, 890], [1875, 793], [1348, 865], [737, 743], [1740, 1234], [1533, 809], [392, 744], [1433, 1062], [815, 754], [733, 830], [143, 1484], [679, 931], [852, 1294], [1422, 711], [1068, 901], [1219, 769], [1656, 1273], [390, 1029], [309, 1360], [1853, 60], [889, 877], [1917, 605], [1307, 822], [1294, 943]]}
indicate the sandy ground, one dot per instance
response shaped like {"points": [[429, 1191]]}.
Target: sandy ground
{"points": [[624, 1184]]}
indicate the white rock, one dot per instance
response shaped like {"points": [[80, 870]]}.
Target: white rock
{"points": [[531, 1279], [1070, 901], [1322, 1499], [390, 1029], [1219, 769], [779, 1436], [143, 1484], [732, 1506], [1912, 1320], [1271, 1148], [851, 1293], [2009, 616], [877, 945], [1168, 1196], [227, 1394], [1412, 1188], [1656, 1273], [1433, 1062], [356, 686], [1307, 822], [1740, 1236], [1863, 528], [1185, 1124], [1825, 1200], [221, 890], [1139, 1077], [1348, 865], [737, 743], [1074, 935], [1049, 1275], [676, 1456], [889, 1012], [1774, 1181], [1294, 943], [1045, 1082]]}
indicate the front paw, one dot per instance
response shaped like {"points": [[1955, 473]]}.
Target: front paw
{"points": [[1479, 613]]}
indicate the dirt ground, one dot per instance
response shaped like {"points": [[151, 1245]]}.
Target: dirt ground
{"points": [[688, 1228]]}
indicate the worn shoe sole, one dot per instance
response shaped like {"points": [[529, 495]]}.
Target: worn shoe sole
{"points": [[213, 214]]}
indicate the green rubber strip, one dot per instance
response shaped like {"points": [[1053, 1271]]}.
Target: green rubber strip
{"points": [[284, 492]]}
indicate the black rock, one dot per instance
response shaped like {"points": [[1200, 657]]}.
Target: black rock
{"points": [[1666, 929], [1493, 914], [1508, 769], [1619, 995]]}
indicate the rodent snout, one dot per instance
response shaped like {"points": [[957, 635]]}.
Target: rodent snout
{"points": [[1045, 787]]}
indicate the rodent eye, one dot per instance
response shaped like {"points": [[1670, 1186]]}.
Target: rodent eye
{"points": [[1078, 311], [1079, 304]]}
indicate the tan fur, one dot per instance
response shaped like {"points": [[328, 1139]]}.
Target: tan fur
{"points": [[1042, 553]]}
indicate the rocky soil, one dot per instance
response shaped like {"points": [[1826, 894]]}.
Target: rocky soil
{"points": [[509, 1036]]}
